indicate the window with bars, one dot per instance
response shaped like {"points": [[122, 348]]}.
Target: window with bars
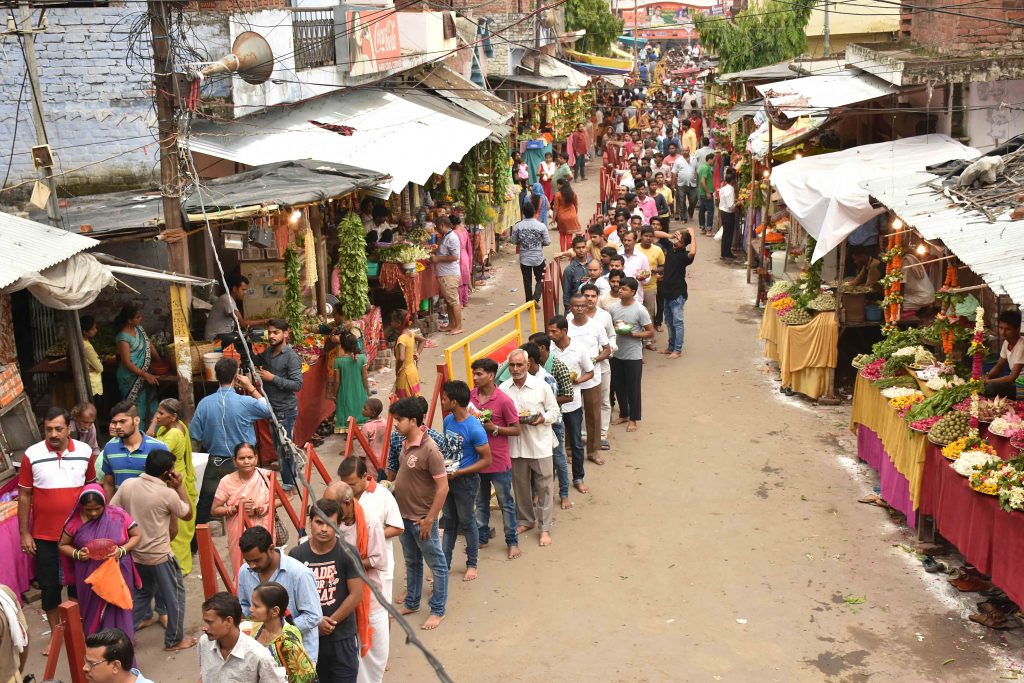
{"points": [[313, 37]]}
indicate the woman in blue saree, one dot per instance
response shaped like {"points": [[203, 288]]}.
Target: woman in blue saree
{"points": [[134, 380]]}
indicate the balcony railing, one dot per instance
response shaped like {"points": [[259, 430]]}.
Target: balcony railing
{"points": [[313, 37]]}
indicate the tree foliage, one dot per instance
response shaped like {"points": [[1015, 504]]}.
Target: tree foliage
{"points": [[601, 25], [765, 34]]}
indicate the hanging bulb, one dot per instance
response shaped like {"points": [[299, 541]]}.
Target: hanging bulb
{"points": [[921, 249], [296, 215], [897, 224]]}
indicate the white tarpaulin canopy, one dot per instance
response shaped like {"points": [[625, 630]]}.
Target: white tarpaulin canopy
{"points": [[818, 95], [405, 137], [824, 192], [68, 286]]}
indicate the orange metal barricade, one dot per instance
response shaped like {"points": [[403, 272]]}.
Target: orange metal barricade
{"points": [[67, 636], [211, 564]]}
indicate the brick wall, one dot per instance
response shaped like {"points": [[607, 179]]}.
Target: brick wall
{"points": [[511, 29], [954, 34], [97, 99]]}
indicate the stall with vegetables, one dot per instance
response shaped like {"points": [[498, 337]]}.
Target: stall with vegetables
{"points": [[479, 190], [942, 449]]}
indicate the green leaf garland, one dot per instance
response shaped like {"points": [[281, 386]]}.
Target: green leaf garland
{"points": [[354, 294]]}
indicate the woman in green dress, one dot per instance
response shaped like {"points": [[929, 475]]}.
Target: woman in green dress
{"points": [[168, 428], [353, 384], [136, 383], [283, 639]]}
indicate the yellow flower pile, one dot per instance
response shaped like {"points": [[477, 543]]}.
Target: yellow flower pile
{"points": [[901, 403], [785, 302], [966, 443]]}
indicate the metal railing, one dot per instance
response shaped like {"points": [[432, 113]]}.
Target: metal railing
{"points": [[313, 37], [510, 339]]}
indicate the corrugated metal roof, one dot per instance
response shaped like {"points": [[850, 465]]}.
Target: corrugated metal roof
{"points": [[993, 250], [772, 72], [820, 94], [744, 109], [29, 247], [466, 94]]}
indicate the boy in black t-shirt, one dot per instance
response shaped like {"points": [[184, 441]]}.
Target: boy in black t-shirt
{"points": [[341, 590]]}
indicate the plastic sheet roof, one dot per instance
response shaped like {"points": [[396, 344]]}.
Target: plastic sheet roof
{"points": [[818, 95], [826, 192], [407, 138], [993, 250], [28, 247]]}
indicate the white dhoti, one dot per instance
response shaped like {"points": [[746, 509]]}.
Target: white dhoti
{"points": [[372, 666]]}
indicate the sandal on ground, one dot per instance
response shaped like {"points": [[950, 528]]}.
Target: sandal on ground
{"points": [[993, 621]]}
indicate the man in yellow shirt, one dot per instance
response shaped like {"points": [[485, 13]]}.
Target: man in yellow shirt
{"points": [[689, 137], [656, 258]]}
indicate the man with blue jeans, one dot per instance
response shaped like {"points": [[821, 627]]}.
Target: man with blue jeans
{"points": [[280, 369], [459, 513], [421, 487], [673, 285], [156, 500], [500, 424]]}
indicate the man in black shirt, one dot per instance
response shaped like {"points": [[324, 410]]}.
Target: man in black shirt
{"points": [[341, 591], [673, 286]]}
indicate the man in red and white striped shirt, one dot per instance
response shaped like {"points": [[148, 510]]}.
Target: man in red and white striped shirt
{"points": [[52, 475]]}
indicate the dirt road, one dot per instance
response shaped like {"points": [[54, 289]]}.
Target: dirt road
{"points": [[721, 542]]}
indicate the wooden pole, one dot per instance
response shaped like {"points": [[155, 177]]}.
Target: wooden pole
{"points": [[170, 181]]}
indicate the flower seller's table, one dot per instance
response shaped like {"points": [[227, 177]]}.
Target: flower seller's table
{"points": [[806, 354], [415, 288], [892, 449], [989, 538]]}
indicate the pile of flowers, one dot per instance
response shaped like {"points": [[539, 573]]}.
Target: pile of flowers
{"points": [[925, 424], [972, 460], [783, 304], [965, 444], [939, 383], [1007, 425], [903, 403], [899, 392], [873, 370]]}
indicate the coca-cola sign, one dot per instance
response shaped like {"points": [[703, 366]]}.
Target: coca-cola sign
{"points": [[374, 42]]}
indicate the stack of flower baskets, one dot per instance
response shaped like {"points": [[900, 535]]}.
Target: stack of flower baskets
{"points": [[902, 398]]}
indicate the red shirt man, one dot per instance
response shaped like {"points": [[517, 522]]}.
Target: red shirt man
{"points": [[52, 475]]}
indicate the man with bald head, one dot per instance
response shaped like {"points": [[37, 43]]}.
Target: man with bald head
{"points": [[366, 534], [378, 503]]}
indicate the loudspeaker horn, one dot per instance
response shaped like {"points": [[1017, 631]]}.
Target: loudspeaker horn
{"points": [[251, 58]]}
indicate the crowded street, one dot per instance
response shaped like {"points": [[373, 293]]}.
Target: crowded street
{"points": [[679, 343]]}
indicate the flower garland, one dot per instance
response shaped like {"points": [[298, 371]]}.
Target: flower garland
{"points": [[977, 349], [893, 282]]}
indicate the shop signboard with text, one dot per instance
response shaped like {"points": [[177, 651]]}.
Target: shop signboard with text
{"points": [[373, 41]]}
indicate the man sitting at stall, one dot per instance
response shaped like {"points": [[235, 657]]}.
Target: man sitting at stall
{"points": [[918, 290], [869, 270], [220, 323], [999, 382]]}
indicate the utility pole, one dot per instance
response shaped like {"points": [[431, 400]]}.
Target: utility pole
{"points": [[825, 36], [636, 62], [170, 190], [536, 39], [72, 326]]}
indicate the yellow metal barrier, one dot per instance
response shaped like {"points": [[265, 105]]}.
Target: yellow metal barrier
{"points": [[516, 333]]}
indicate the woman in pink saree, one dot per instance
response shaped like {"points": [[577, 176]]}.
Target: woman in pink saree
{"points": [[94, 532], [465, 259], [243, 495]]}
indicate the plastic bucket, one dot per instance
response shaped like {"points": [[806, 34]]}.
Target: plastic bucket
{"points": [[209, 362], [778, 266], [873, 313]]}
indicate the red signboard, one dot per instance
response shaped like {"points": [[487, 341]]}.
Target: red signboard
{"points": [[373, 41], [665, 33]]}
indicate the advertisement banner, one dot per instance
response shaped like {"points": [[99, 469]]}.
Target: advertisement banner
{"points": [[373, 41]]}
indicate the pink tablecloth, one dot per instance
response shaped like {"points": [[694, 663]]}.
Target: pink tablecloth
{"points": [[17, 569], [895, 489]]}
